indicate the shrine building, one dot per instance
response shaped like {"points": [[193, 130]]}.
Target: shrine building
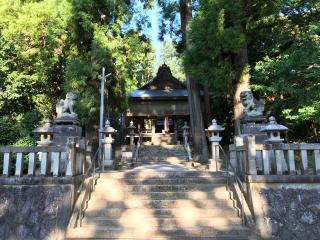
{"points": [[159, 108]]}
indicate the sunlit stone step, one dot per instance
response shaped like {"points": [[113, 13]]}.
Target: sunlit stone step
{"points": [[166, 181], [157, 172], [217, 194], [140, 203], [163, 188], [165, 147], [161, 212], [149, 232], [129, 219]]}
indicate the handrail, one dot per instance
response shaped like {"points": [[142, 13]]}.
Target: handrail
{"points": [[83, 193], [246, 214]]}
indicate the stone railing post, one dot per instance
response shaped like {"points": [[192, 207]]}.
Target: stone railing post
{"points": [[71, 153], [88, 160], [251, 167], [82, 156]]}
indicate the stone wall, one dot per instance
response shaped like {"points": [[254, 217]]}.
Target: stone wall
{"points": [[36, 207], [287, 210]]}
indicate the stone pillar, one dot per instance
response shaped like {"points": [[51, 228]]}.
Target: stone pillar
{"points": [[214, 138]]}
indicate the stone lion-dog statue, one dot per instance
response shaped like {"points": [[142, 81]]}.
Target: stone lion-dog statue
{"points": [[252, 107], [65, 107]]}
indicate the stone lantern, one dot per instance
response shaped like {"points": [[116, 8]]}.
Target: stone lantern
{"points": [[214, 137], [46, 134], [273, 130], [107, 140], [131, 129]]}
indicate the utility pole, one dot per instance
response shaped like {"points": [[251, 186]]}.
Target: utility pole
{"points": [[101, 111]]}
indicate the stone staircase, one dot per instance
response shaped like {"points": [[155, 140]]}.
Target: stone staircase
{"points": [[159, 200]]}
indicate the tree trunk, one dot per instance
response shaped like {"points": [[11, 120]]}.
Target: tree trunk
{"points": [[196, 119], [243, 82]]}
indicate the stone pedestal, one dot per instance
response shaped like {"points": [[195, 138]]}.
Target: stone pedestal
{"points": [[60, 137], [63, 131], [253, 126]]}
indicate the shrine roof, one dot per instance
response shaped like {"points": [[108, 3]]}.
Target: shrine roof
{"points": [[147, 94], [163, 86], [164, 80]]}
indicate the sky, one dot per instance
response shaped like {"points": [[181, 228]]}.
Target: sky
{"points": [[153, 34]]}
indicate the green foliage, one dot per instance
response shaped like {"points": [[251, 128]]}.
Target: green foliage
{"points": [[291, 80], [25, 141], [211, 60], [33, 42], [18, 129], [50, 47], [282, 39], [126, 55], [288, 71]]}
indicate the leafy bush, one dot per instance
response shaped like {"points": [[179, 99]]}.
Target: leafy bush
{"points": [[17, 130]]}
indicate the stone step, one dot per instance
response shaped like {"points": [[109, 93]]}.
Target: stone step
{"points": [[170, 159], [162, 148], [164, 181], [149, 232], [156, 162], [160, 212], [143, 152], [208, 187], [159, 203], [166, 158], [162, 196], [130, 220], [141, 173], [162, 161], [161, 154]]}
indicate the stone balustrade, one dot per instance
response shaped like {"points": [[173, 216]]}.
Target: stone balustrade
{"points": [[70, 160], [275, 159], [280, 185]]}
